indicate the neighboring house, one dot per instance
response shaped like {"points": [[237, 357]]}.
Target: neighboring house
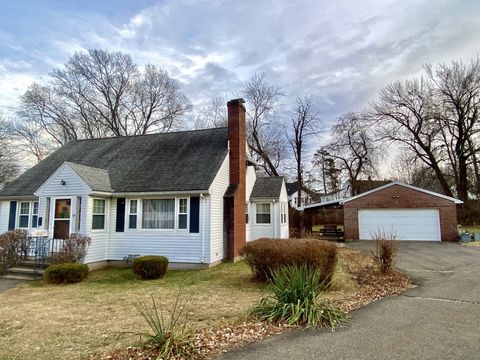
{"points": [[307, 196], [405, 211], [184, 195]]}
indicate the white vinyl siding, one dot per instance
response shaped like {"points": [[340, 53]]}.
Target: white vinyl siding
{"points": [[178, 246], [4, 215], [405, 224], [217, 191]]}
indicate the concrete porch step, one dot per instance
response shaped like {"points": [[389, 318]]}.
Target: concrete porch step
{"points": [[22, 277], [24, 273]]}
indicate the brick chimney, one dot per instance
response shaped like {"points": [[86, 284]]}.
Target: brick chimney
{"points": [[235, 197]]}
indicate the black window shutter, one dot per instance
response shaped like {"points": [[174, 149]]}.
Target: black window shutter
{"points": [[194, 214], [120, 226], [12, 216]]}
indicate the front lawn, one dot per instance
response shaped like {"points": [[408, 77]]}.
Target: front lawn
{"points": [[79, 320]]}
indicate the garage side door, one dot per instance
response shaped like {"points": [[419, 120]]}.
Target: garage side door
{"points": [[406, 224]]}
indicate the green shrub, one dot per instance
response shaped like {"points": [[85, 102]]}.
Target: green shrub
{"points": [[295, 300], [65, 273], [150, 267], [264, 256], [386, 249], [168, 332]]}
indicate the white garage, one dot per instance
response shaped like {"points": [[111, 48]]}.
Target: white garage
{"points": [[405, 224]]}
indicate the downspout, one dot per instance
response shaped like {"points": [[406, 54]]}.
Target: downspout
{"points": [[204, 220]]}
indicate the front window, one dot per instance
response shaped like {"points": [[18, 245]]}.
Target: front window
{"points": [[24, 214], [182, 213], [98, 214], [246, 213], [35, 215], [263, 213], [132, 214], [158, 214]]}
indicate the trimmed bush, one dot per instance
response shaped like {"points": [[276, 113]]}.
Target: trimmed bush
{"points": [[264, 256], [150, 267], [65, 273]]}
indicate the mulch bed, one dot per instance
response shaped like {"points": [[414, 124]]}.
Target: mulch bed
{"points": [[211, 342]]}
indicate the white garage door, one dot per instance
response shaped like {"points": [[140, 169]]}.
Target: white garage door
{"points": [[406, 224]]}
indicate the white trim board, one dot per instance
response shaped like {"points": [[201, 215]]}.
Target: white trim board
{"points": [[456, 201]]}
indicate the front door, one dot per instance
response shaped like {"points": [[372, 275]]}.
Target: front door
{"points": [[62, 217]]}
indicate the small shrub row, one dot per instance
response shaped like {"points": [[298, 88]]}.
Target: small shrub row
{"points": [[264, 256], [150, 267], [65, 273]]}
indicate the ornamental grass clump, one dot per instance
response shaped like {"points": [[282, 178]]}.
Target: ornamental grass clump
{"points": [[297, 300], [168, 330], [385, 252]]}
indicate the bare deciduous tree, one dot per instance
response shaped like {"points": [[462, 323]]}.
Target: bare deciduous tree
{"points": [[457, 97], [305, 123], [99, 93], [353, 147], [437, 120], [9, 167], [212, 115], [265, 136]]}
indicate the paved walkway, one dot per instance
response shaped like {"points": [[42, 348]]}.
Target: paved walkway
{"points": [[7, 284], [439, 319]]}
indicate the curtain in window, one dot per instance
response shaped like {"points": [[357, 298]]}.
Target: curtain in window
{"points": [[159, 214]]}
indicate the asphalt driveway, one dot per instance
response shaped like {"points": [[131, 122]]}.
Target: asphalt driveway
{"points": [[439, 319]]}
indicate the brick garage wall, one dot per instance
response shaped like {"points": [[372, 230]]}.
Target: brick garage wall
{"points": [[400, 197]]}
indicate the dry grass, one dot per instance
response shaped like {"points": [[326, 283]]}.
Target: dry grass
{"points": [[76, 321], [473, 243]]}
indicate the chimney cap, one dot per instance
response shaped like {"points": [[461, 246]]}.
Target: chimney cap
{"points": [[236, 101]]}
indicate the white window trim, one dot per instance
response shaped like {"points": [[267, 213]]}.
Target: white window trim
{"points": [[140, 227], [29, 215], [256, 212], [127, 214], [105, 220], [53, 204], [174, 229], [177, 213], [33, 214]]}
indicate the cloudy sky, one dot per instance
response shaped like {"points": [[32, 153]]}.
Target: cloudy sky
{"points": [[341, 52]]}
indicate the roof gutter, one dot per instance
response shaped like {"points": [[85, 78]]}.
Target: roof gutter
{"points": [[149, 193], [18, 197]]}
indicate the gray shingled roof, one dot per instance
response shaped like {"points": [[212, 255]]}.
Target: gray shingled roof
{"points": [[181, 161], [267, 187], [97, 179]]}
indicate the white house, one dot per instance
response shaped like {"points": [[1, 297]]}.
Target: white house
{"points": [[191, 196], [306, 196]]}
